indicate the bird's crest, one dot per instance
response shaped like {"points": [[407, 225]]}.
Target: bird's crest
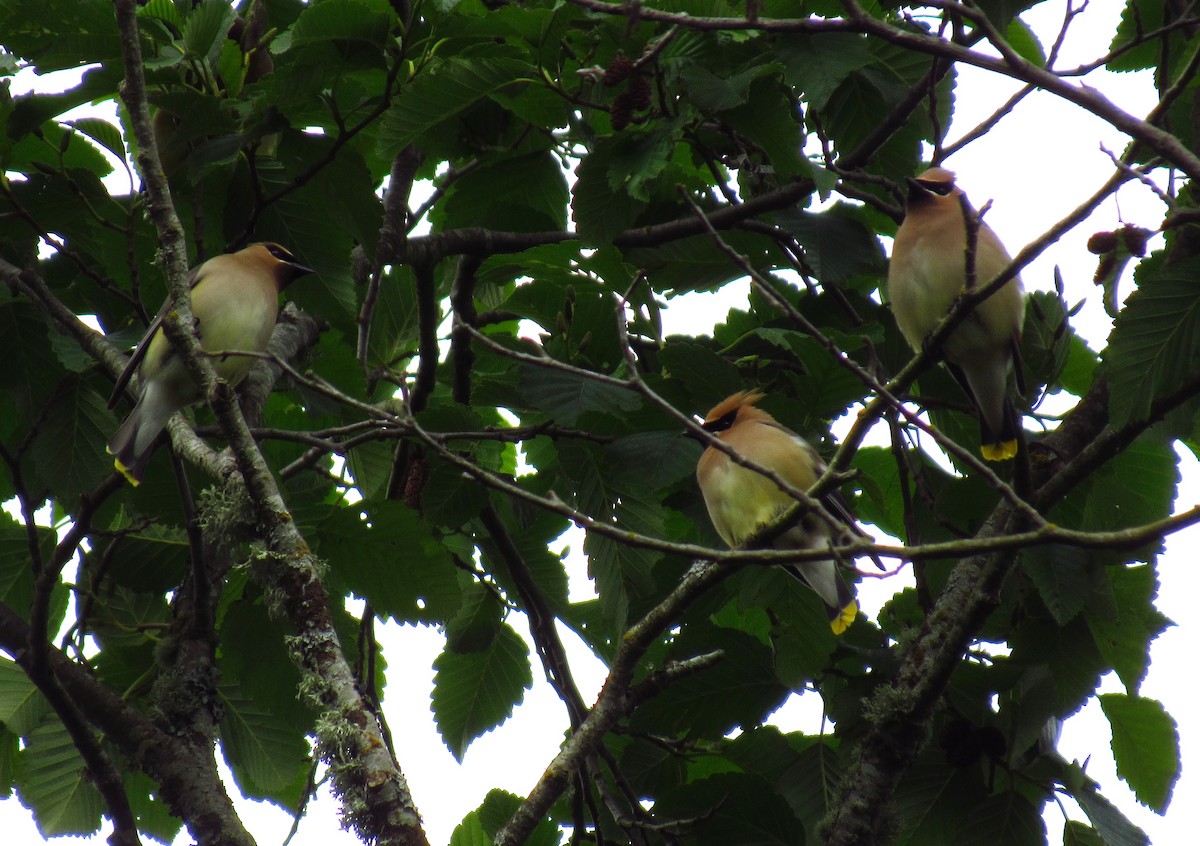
{"points": [[733, 403]]}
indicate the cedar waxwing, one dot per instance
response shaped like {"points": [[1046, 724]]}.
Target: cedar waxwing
{"points": [[927, 273], [235, 300], [742, 501]]}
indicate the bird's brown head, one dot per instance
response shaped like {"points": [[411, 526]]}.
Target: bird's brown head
{"points": [[732, 409], [932, 185], [279, 261]]}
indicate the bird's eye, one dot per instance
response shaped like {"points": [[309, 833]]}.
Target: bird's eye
{"points": [[280, 253], [721, 423], [940, 188]]}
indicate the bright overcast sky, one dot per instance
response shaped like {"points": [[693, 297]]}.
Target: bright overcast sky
{"points": [[1035, 167]]}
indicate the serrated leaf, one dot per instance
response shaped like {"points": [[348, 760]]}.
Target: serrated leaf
{"points": [[442, 91], [1021, 37], [16, 577], [523, 193], [566, 396], [385, 553], [1156, 340], [712, 92], [1124, 627], [163, 10], [817, 65], [1076, 833], [268, 756], [103, 133], [69, 451], [600, 210], [934, 799], [837, 244], [734, 808], [394, 322], [153, 816], [497, 809], [470, 832], [474, 693], [1113, 827], [1007, 818], [707, 376], [22, 707], [1063, 575], [206, 27], [739, 690], [53, 782], [341, 20], [1145, 743]]}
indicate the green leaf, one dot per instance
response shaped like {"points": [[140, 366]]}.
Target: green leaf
{"points": [[734, 808], [475, 692], [53, 782], [1145, 743], [154, 817], [1146, 474], [522, 193], [442, 91], [837, 244], [1114, 828], [1076, 833], [16, 576], [740, 690], [394, 322], [1124, 623], [1080, 367], [22, 707], [269, 757], [163, 10], [599, 208], [1046, 339], [566, 397], [69, 453], [699, 263], [1064, 577], [103, 133], [385, 553], [342, 20], [1136, 20], [206, 27], [1156, 339], [934, 800], [497, 809], [1022, 39], [470, 832], [1007, 818], [708, 377], [711, 92], [818, 64]]}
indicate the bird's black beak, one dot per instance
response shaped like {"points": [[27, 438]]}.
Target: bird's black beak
{"points": [[694, 435]]}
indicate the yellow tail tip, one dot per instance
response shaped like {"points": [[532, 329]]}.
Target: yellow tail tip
{"points": [[999, 452], [127, 473], [845, 617]]}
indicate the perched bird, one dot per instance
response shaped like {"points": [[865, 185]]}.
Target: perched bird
{"points": [[928, 271], [742, 501], [235, 300]]}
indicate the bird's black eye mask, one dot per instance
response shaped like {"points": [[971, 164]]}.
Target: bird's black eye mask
{"points": [[940, 188], [281, 254], [721, 423]]}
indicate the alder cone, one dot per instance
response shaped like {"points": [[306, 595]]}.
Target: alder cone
{"points": [[622, 111], [619, 70]]}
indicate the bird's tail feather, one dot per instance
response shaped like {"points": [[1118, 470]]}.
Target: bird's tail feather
{"points": [[825, 580], [123, 445], [1002, 444]]}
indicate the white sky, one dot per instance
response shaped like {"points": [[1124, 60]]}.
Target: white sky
{"points": [[1035, 167]]}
